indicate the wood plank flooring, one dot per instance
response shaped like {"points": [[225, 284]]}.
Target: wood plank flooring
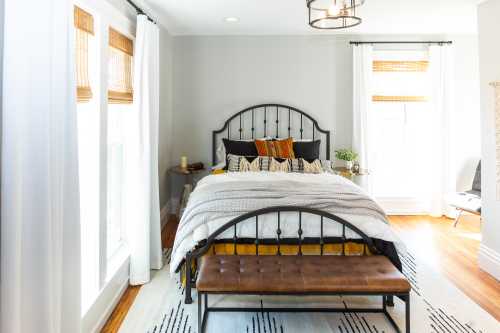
{"points": [[453, 251], [118, 315]]}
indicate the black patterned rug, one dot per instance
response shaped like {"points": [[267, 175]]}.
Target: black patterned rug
{"points": [[437, 306]]}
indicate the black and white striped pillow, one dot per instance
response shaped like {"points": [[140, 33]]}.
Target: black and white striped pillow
{"points": [[238, 163]]}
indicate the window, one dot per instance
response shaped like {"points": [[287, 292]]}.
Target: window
{"points": [[84, 31], [120, 96], [88, 114], [103, 64], [121, 51], [401, 113]]}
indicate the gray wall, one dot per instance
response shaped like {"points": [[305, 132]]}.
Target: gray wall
{"points": [[489, 51], [216, 76], [165, 126]]}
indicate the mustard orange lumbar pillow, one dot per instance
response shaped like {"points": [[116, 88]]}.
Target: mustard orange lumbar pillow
{"points": [[275, 148]]}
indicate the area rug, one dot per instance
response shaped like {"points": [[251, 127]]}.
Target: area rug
{"points": [[437, 306]]}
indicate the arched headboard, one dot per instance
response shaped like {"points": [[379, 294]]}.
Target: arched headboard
{"points": [[271, 120]]}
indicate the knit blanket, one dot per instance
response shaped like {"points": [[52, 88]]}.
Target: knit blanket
{"points": [[224, 200]]}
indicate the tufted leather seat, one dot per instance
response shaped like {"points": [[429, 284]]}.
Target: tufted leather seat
{"points": [[300, 274]]}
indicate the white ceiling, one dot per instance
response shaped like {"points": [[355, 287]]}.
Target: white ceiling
{"points": [[278, 17]]}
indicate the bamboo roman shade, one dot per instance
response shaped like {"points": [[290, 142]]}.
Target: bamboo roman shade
{"points": [[84, 28], [400, 80], [379, 98], [400, 66], [121, 52]]}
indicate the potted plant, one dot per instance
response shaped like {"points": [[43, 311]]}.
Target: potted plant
{"points": [[346, 155]]}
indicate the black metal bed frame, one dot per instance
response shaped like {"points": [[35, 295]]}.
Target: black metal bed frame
{"points": [[280, 112], [367, 242]]}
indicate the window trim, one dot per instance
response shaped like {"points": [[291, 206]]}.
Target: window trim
{"points": [[105, 16]]}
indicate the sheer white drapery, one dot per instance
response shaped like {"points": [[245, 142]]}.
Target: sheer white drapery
{"points": [[441, 128], [40, 246], [142, 188], [362, 94]]}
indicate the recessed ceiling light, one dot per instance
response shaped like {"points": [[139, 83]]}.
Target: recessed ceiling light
{"points": [[231, 19]]}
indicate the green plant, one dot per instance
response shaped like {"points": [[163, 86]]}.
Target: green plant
{"points": [[346, 155]]}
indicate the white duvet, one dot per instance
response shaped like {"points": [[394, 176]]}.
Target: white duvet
{"points": [[372, 226]]}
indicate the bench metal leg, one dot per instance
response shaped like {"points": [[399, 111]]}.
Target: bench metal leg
{"points": [[188, 299], [390, 301], [385, 303], [407, 312], [199, 312], [202, 313]]}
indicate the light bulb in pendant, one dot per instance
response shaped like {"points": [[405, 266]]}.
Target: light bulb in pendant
{"points": [[334, 9]]}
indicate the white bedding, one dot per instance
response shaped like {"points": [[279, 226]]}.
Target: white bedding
{"points": [[370, 225]]}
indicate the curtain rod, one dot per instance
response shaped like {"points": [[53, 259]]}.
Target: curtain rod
{"points": [[139, 10], [440, 42]]}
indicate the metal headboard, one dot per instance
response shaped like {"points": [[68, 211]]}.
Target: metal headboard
{"points": [[274, 119]]}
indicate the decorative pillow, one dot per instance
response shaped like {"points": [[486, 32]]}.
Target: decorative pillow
{"points": [[275, 148], [245, 165], [248, 163], [240, 147], [313, 167], [277, 166], [300, 165], [308, 150], [265, 163], [327, 166]]}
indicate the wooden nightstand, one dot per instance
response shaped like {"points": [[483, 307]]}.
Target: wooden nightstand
{"points": [[188, 184]]}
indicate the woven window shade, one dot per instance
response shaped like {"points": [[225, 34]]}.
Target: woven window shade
{"points": [[400, 66], [121, 52], [379, 98], [84, 28]]}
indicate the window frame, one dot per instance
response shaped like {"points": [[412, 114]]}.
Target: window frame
{"points": [[105, 16]]}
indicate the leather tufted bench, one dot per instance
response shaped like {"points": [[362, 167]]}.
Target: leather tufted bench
{"points": [[301, 275]]}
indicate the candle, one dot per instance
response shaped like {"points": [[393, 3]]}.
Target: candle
{"points": [[184, 162]]}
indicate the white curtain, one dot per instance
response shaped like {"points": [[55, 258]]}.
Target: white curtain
{"points": [[443, 174], [141, 188], [40, 245], [362, 94]]}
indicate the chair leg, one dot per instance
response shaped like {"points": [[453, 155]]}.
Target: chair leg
{"points": [[457, 218]]}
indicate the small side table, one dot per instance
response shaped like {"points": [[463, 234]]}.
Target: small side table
{"points": [[188, 184], [360, 178]]}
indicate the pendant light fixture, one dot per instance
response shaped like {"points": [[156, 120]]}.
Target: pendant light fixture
{"points": [[333, 14]]}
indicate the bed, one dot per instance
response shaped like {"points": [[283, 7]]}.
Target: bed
{"points": [[222, 198]]}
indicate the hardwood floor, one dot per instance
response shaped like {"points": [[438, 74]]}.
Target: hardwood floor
{"points": [[453, 251], [118, 315]]}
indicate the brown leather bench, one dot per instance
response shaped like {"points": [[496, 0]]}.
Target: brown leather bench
{"points": [[300, 275]]}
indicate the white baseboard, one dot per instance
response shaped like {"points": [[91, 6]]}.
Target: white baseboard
{"points": [[489, 261], [94, 320]]}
